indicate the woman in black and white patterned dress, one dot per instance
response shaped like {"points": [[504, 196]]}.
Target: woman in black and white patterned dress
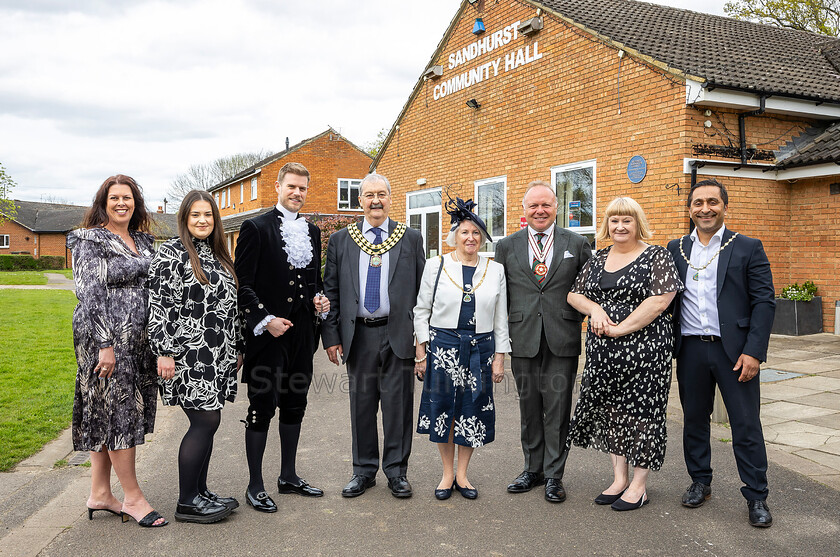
{"points": [[194, 333], [115, 400], [625, 289]]}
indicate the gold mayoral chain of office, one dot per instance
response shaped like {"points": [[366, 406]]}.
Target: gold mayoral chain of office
{"points": [[709, 262], [540, 254], [376, 250], [468, 289]]}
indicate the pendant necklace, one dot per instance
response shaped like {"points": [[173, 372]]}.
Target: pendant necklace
{"points": [[468, 289], [709, 262], [541, 269]]}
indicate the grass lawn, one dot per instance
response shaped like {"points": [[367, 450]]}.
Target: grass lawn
{"points": [[37, 370], [22, 277]]}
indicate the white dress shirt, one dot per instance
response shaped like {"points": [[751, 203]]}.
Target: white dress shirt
{"points": [[548, 235], [364, 262], [699, 301]]}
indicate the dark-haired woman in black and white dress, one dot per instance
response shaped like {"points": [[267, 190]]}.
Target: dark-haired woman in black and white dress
{"points": [[194, 334]]}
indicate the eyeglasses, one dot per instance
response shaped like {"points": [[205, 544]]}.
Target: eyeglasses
{"points": [[371, 196]]}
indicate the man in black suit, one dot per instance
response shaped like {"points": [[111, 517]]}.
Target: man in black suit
{"points": [[723, 319], [371, 278], [278, 264], [541, 263]]}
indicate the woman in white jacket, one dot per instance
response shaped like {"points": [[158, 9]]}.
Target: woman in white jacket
{"points": [[460, 323]]}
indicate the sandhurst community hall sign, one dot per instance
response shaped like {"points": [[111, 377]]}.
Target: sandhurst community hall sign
{"points": [[490, 43]]}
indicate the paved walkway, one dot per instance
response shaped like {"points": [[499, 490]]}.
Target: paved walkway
{"points": [[42, 509], [55, 281]]}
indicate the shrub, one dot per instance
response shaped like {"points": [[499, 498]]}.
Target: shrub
{"points": [[29, 263], [328, 225], [804, 293]]}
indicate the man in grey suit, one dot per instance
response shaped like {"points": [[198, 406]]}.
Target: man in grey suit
{"points": [[541, 263], [370, 328]]}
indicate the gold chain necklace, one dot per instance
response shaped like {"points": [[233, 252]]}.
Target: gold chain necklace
{"points": [[709, 262], [467, 290], [376, 250]]}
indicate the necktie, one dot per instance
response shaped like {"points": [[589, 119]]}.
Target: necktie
{"points": [[373, 275], [536, 261]]}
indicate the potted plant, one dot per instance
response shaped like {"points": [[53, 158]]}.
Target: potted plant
{"points": [[798, 310]]}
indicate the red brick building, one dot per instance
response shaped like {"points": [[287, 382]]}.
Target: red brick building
{"points": [[40, 229], [604, 98], [336, 168]]}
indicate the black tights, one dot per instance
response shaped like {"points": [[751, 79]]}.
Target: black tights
{"points": [[255, 448], [194, 456]]}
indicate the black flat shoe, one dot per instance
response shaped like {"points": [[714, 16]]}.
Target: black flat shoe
{"points": [[147, 521], [605, 499], [91, 511], [261, 502], [443, 494], [622, 505], [760, 516], [201, 510], [525, 482], [400, 488], [358, 485], [696, 494], [554, 491], [302, 488], [229, 502], [467, 492]]}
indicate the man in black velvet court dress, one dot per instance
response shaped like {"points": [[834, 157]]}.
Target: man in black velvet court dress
{"points": [[278, 264], [723, 319]]}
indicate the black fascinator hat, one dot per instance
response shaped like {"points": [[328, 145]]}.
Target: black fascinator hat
{"points": [[460, 210]]}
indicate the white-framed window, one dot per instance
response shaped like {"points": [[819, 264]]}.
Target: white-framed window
{"points": [[575, 185], [241, 193], [491, 197], [348, 194], [423, 209], [254, 188], [224, 198], [4, 241], [216, 196]]}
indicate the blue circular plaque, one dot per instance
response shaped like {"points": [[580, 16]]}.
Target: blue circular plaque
{"points": [[637, 169]]}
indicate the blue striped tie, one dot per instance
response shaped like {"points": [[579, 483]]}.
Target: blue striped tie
{"points": [[373, 275]]}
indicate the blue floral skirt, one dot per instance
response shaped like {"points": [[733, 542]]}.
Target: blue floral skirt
{"points": [[458, 388]]}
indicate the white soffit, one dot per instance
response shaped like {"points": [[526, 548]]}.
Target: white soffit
{"points": [[734, 169], [739, 100]]}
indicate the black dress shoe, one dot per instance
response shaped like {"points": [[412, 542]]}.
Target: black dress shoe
{"points": [[302, 488], [525, 482], [554, 491], [622, 505], [760, 516], [696, 494], [442, 494], [358, 485], [400, 487], [201, 510], [229, 502], [261, 502], [605, 499], [467, 492]]}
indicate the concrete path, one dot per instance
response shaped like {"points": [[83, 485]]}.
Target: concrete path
{"points": [[55, 281], [42, 510]]}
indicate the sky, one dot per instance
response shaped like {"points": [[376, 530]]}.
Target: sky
{"points": [[92, 88]]}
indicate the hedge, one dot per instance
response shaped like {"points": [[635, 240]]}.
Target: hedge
{"points": [[29, 263]]}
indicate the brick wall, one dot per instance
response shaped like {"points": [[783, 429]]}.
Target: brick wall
{"points": [[564, 108], [17, 238]]}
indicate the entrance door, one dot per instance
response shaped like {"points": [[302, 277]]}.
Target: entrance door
{"points": [[423, 211]]}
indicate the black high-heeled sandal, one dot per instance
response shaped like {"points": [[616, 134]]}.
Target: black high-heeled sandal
{"points": [[604, 499], [91, 511], [147, 521]]}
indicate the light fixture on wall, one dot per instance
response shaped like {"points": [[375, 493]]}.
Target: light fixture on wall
{"points": [[478, 28], [472, 103], [531, 26], [433, 72]]}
